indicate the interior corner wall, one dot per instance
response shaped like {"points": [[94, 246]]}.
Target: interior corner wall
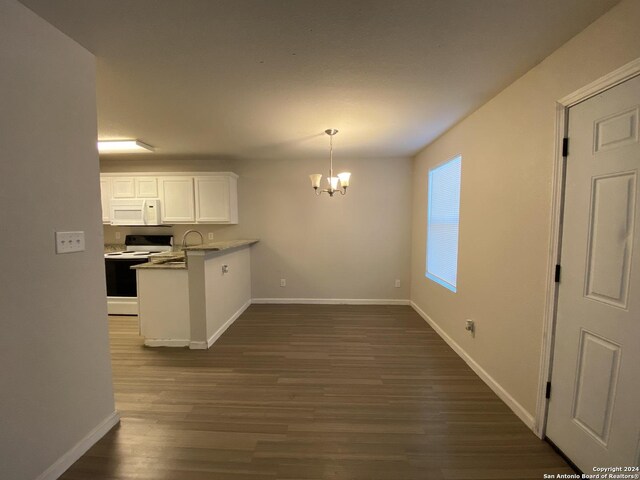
{"points": [[508, 154], [55, 371]]}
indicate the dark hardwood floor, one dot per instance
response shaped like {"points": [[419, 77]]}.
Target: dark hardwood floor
{"points": [[309, 392]]}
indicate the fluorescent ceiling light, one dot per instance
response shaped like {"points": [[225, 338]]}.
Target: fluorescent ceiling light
{"points": [[123, 146]]}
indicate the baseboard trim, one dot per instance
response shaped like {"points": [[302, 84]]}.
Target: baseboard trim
{"points": [[332, 301], [165, 342], [228, 323], [201, 345], [511, 402], [122, 305], [80, 448]]}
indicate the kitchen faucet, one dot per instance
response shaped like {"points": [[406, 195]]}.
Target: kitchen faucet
{"points": [[184, 238]]}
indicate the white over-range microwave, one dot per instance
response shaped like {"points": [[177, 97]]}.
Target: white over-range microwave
{"points": [[135, 212]]}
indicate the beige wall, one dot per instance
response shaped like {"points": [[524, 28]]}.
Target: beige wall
{"points": [[156, 162], [55, 372], [507, 149], [352, 246]]}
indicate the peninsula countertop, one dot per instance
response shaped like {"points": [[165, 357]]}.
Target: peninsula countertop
{"points": [[169, 264], [176, 260], [221, 245]]}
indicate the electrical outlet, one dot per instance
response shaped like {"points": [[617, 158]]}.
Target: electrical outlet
{"points": [[69, 242], [283, 282], [397, 283], [117, 235], [470, 326], [210, 236]]}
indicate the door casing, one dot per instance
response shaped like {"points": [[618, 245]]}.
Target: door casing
{"points": [[622, 74]]}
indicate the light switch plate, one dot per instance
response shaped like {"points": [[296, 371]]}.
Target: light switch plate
{"points": [[69, 242]]}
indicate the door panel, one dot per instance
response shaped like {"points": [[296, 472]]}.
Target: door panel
{"points": [[610, 234], [616, 130], [176, 197], [212, 199], [123, 187], [594, 409], [597, 379], [146, 187]]}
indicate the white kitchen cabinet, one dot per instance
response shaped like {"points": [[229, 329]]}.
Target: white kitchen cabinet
{"points": [[216, 199], [176, 199], [105, 198], [123, 187], [132, 187], [185, 197], [146, 187]]}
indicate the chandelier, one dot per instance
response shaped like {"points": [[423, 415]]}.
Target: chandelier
{"points": [[342, 178]]}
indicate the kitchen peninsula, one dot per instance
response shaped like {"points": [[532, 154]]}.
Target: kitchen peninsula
{"points": [[190, 298]]}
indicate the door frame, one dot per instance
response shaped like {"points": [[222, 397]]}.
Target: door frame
{"points": [[622, 74]]}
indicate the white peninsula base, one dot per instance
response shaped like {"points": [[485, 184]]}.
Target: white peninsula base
{"points": [[164, 307], [194, 304]]}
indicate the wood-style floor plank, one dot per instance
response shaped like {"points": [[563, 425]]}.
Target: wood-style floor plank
{"points": [[309, 392]]}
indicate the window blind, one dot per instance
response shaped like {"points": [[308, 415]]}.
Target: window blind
{"points": [[443, 223]]}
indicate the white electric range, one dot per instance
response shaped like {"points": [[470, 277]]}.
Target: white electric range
{"points": [[122, 291]]}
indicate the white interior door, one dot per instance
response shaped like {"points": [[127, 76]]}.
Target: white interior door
{"points": [[594, 408]]}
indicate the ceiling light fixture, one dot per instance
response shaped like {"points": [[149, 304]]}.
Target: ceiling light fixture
{"points": [[343, 177], [123, 146]]}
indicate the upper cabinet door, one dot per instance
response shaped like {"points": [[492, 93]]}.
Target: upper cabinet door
{"points": [[123, 187], [146, 187], [176, 199], [216, 199], [105, 197], [185, 197]]}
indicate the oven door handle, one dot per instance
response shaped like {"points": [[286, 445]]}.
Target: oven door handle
{"points": [[144, 211]]}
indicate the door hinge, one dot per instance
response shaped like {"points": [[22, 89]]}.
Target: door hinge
{"points": [[565, 147], [547, 393], [557, 274]]}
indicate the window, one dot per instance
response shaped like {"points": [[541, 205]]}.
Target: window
{"points": [[443, 218]]}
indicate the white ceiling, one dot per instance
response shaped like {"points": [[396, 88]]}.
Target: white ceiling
{"points": [[265, 78]]}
